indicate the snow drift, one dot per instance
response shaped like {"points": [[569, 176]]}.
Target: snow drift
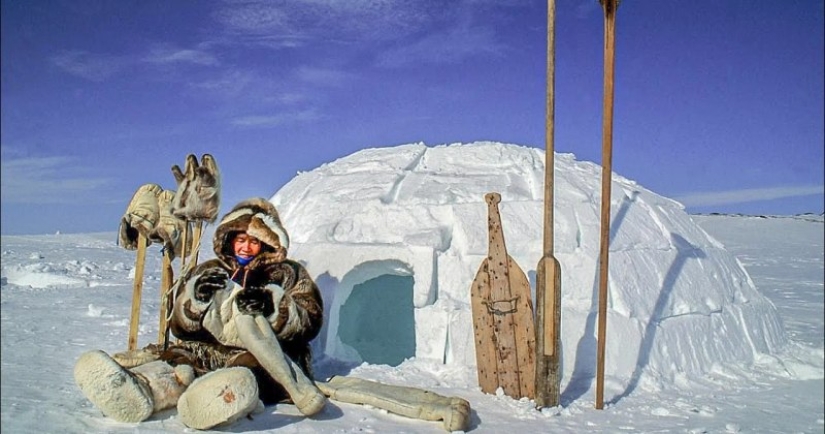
{"points": [[394, 237]]}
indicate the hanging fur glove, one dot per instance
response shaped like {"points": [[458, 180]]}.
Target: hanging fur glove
{"points": [[169, 229], [198, 194], [141, 216]]}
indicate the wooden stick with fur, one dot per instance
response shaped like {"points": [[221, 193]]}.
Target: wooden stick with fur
{"points": [[169, 231], [136, 225], [197, 199]]}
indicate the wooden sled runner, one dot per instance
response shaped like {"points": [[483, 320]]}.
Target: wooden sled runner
{"points": [[505, 338]]}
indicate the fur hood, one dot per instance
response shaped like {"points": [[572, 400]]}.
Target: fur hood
{"points": [[258, 218]]}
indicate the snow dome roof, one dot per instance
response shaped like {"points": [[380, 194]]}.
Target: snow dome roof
{"points": [[418, 212]]}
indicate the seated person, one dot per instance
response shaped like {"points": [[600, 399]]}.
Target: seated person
{"points": [[249, 278]]}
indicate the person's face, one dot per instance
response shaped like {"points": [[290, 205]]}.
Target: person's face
{"points": [[246, 245]]}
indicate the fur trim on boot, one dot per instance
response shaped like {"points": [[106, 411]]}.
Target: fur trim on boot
{"points": [[219, 397], [141, 216], [118, 393]]}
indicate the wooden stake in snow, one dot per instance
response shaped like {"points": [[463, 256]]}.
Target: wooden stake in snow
{"points": [[607, 171], [548, 270], [137, 289], [166, 278]]}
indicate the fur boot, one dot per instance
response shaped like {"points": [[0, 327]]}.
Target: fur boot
{"points": [[453, 412], [219, 397], [130, 396], [259, 339], [141, 216]]}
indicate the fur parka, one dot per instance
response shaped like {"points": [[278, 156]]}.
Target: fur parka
{"points": [[214, 292]]}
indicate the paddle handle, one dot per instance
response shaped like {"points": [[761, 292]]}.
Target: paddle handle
{"points": [[497, 252], [607, 171], [549, 129]]}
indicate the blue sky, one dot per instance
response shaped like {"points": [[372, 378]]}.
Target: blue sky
{"points": [[717, 103]]}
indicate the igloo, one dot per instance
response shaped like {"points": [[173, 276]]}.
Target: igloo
{"points": [[395, 235]]}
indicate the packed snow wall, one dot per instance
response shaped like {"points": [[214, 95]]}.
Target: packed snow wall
{"points": [[418, 213]]}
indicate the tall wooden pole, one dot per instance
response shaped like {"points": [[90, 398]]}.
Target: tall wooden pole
{"points": [[548, 271], [137, 291], [607, 171]]}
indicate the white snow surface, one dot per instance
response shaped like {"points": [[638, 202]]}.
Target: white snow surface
{"points": [[714, 323]]}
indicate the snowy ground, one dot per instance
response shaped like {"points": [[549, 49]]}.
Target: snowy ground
{"points": [[65, 294]]}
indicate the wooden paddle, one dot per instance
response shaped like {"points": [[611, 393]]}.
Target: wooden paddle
{"points": [[607, 171], [503, 317], [548, 270]]}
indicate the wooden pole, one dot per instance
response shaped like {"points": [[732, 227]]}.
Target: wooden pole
{"points": [[607, 171], [184, 251], [137, 289], [548, 275], [165, 283], [196, 241]]}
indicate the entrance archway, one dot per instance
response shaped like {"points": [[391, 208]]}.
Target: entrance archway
{"points": [[377, 319]]}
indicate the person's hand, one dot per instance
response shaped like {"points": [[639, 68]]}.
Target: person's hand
{"points": [[255, 301], [213, 279]]}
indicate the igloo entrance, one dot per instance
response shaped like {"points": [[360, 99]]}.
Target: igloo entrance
{"points": [[377, 320], [373, 314]]}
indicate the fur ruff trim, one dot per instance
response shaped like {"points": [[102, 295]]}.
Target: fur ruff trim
{"points": [[118, 393], [219, 397], [257, 217]]}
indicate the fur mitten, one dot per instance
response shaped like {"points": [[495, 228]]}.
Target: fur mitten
{"points": [[198, 194], [141, 216], [169, 230]]}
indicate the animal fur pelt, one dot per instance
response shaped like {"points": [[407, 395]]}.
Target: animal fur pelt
{"points": [[453, 412], [198, 193]]}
